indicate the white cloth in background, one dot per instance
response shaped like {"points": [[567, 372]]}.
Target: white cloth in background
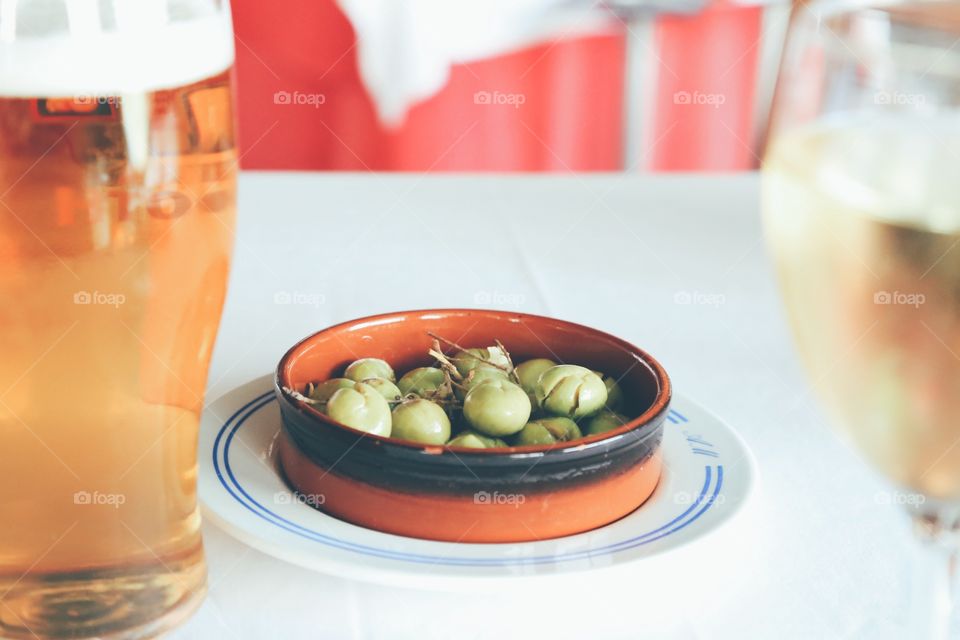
{"points": [[405, 48]]}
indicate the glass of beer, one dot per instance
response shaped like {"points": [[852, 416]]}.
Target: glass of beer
{"points": [[117, 203], [861, 205]]}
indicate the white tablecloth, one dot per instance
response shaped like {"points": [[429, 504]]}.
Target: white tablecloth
{"points": [[817, 556]]}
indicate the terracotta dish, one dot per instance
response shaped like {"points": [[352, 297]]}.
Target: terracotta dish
{"points": [[471, 495]]}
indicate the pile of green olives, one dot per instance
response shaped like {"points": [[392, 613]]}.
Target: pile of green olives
{"points": [[475, 398]]}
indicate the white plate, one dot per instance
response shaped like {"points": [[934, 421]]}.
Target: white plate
{"points": [[709, 474]]}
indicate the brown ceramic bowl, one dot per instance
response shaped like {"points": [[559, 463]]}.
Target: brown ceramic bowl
{"points": [[461, 494]]}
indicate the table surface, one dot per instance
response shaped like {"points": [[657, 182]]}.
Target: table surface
{"points": [[816, 556]]}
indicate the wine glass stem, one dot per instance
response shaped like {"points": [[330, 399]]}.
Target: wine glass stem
{"points": [[934, 579]]}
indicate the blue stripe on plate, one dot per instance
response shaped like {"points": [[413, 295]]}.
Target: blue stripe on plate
{"points": [[251, 407], [705, 452]]}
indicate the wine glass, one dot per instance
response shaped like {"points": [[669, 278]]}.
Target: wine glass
{"points": [[861, 205]]}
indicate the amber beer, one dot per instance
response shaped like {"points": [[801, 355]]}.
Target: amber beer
{"points": [[116, 229]]}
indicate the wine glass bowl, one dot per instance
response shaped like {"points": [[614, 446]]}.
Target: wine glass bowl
{"points": [[861, 207]]}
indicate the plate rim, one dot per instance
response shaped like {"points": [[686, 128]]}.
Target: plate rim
{"points": [[328, 563]]}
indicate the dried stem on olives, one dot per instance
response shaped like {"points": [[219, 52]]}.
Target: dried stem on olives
{"points": [[480, 389]]}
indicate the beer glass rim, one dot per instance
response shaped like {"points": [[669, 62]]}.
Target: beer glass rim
{"points": [[66, 52]]}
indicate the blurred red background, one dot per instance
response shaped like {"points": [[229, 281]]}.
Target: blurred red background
{"points": [[572, 117]]}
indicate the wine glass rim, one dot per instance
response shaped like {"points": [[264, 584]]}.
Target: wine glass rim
{"points": [[833, 9]]}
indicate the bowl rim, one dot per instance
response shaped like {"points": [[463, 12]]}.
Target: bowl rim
{"points": [[635, 426]]}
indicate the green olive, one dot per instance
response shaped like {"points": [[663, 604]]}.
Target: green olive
{"points": [[478, 376], [369, 368], [496, 407], [529, 372], [547, 431], [482, 358], [474, 440], [422, 381], [384, 387], [362, 408], [571, 391], [323, 391], [614, 393], [420, 420], [605, 421]]}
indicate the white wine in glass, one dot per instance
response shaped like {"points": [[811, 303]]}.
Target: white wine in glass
{"points": [[861, 206], [864, 220]]}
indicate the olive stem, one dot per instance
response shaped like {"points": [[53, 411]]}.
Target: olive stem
{"points": [[296, 395], [506, 354], [442, 360], [434, 399], [451, 343]]}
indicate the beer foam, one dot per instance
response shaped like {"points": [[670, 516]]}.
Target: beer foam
{"points": [[116, 63]]}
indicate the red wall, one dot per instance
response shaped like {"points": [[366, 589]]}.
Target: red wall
{"points": [[571, 118]]}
